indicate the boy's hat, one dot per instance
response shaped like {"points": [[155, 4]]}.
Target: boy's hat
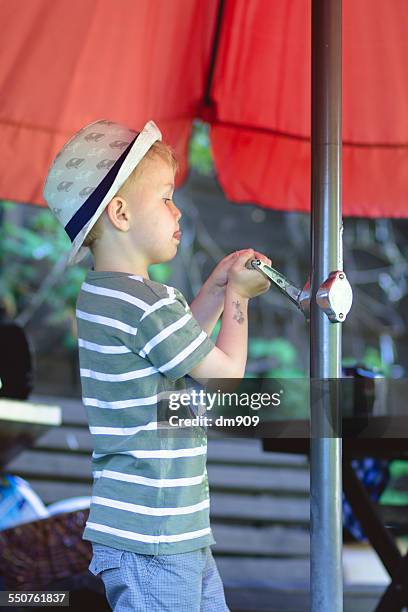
{"points": [[88, 171]]}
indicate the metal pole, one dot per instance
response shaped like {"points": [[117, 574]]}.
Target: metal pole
{"points": [[326, 581]]}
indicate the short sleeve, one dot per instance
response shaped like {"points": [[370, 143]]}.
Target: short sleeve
{"points": [[170, 337]]}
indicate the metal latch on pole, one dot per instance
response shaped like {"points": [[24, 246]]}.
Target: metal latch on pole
{"points": [[334, 296]]}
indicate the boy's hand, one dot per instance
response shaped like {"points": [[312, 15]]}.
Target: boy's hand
{"points": [[248, 282], [219, 276]]}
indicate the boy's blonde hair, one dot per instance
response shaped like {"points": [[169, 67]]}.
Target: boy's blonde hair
{"points": [[158, 148]]}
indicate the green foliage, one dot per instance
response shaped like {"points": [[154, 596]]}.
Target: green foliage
{"points": [[200, 157], [295, 400], [394, 496], [371, 360], [280, 348], [28, 256], [160, 272]]}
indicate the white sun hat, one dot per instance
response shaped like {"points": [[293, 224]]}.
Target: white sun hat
{"points": [[88, 171]]}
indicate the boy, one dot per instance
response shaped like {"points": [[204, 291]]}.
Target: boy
{"points": [[149, 526]]}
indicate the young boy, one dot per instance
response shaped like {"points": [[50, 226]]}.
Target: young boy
{"points": [[112, 190]]}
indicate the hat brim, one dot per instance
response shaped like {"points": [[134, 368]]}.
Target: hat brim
{"points": [[142, 144]]}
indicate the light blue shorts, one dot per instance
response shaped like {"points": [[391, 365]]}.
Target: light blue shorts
{"points": [[184, 582]]}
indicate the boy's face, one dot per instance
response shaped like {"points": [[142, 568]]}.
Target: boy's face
{"points": [[153, 215]]}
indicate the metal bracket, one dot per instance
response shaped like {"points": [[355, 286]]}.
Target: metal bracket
{"points": [[334, 296]]}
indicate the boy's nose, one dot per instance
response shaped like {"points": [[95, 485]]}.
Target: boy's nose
{"points": [[177, 212]]}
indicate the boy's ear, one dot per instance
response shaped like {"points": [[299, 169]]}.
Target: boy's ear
{"points": [[118, 213]]}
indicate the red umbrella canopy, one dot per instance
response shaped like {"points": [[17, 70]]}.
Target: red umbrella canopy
{"points": [[65, 63]]}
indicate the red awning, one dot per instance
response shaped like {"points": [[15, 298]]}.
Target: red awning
{"points": [[66, 63]]}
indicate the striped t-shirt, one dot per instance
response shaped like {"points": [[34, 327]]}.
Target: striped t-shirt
{"points": [[137, 341]]}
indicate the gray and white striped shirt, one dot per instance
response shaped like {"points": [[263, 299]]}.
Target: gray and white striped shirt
{"points": [[137, 342]]}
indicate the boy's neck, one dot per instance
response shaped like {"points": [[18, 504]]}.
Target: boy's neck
{"points": [[104, 266]]}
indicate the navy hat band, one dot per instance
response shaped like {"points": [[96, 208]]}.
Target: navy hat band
{"points": [[91, 204]]}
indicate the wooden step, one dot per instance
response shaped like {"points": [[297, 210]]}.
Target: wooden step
{"points": [[241, 451], [52, 491], [33, 465], [66, 438], [248, 479], [73, 410], [259, 510], [276, 541], [250, 572]]}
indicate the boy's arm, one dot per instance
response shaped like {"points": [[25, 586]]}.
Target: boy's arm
{"points": [[228, 357], [208, 305]]}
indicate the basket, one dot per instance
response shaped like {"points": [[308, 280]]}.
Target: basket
{"points": [[35, 554]]}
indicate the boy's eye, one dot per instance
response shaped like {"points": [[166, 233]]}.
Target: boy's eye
{"points": [[167, 199]]}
